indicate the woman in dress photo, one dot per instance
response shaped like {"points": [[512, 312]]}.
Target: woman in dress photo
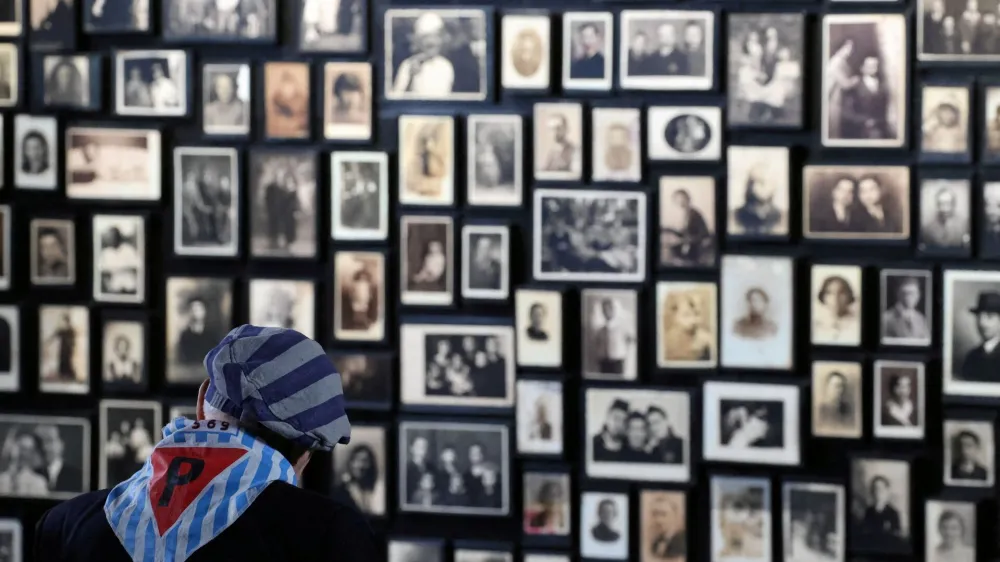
{"points": [[840, 78], [361, 480]]}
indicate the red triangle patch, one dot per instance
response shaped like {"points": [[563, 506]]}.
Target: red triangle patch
{"points": [[180, 474]]}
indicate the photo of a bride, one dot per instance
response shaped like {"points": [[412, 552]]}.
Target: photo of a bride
{"points": [[765, 70]]}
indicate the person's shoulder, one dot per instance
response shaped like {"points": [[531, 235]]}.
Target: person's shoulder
{"points": [[72, 518], [75, 509]]}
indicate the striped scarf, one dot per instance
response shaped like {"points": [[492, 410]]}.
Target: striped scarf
{"points": [[196, 483]]}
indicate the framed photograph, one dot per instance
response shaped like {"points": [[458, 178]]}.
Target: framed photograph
{"points": [[367, 377], [36, 146], [687, 327], [945, 216], [751, 423], [971, 322], [538, 319], [71, 82], [283, 204], [53, 252], [604, 525], [283, 303], [741, 519], [53, 24], [347, 100], [427, 271], [5, 247], [586, 51], [837, 406], [808, 508], [899, 402], [119, 16], [205, 21], [151, 83], [638, 434], [539, 417], [360, 468], [495, 160], [60, 446], [765, 70], [905, 304], [548, 511], [664, 50], [969, 453], [128, 431], [558, 141], [989, 230], [856, 203], [939, 38], [429, 448], [113, 164], [456, 365], [687, 222], [119, 254], [481, 555], [684, 133], [422, 550], [359, 296], [990, 124], [663, 533], [950, 529], [756, 319], [199, 313], [758, 191], [485, 262], [287, 100], [11, 537], [865, 70], [359, 195], [64, 349], [438, 54], [945, 132], [616, 144], [10, 70], [12, 22], [325, 27], [544, 557], [426, 160], [609, 319], [183, 411], [10, 349], [206, 228], [225, 99], [836, 308], [567, 223], [526, 51], [880, 505], [124, 352]]}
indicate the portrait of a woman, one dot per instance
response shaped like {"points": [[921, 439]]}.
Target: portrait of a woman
{"points": [[36, 154], [835, 319], [361, 480]]}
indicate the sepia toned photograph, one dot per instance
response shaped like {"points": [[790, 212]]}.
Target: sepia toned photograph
{"points": [[756, 320], [361, 467], [616, 144], [946, 117], [969, 453], [225, 99], [367, 377], [687, 222], [10, 71], [416, 551], [233, 21], [53, 24], [604, 525], [36, 146], [539, 417], [880, 505], [10, 349], [548, 510], [664, 50], [199, 313], [206, 201], [945, 217], [687, 329], [359, 296], [558, 141], [610, 320], [950, 531], [347, 99], [758, 191], [359, 195], [485, 262], [426, 160], [899, 403], [587, 50], [5, 247], [836, 305], [124, 355], [53, 252], [64, 349], [751, 423], [837, 407], [990, 124], [663, 534], [765, 70], [128, 431], [812, 525], [741, 518], [113, 164], [116, 16], [283, 303], [988, 239], [287, 100], [684, 133], [427, 271], [119, 258], [538, 315], [955, 31], [11, 539], [525, 51], [971, 323], [151, 83], [332, 27], [59, 448], [906, 297], [856, 202], [67, 81], [437, 55], [283, 204], [494, 159], [11, 20]]}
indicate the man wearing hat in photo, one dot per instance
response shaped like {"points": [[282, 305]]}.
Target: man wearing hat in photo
{"points": [[225, 487], [982, 364]]}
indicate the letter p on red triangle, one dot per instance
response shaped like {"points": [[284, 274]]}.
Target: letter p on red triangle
{"points": [[180, 474]]}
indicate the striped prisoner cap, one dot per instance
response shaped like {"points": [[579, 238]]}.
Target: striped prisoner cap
{"points": [[282, 380]]}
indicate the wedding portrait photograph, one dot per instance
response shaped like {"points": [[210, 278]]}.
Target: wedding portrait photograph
{"points": [[36, 146], [905, 305], [756, 319], [128, 429], [945, 133], [199, 313], [688, 231], [539, 417], [663, 534], [687, 327], [359, 195], [151, 83], [332, 27], [758, 192], [558, 141], [59, 448], [752, 423], [210, 21], [525, 51], [664, 50], [494, 160], [836, 305], [347, 100], [287, 100], [360, 468], [113, 164], [124, 351], [426, 160], [225, 99], [119, 258], [10, 349], [609, 328], [53, 252], [837, 406], [616, 144], [765, 70], [588, 44], [283, 203], [538, 319], [856, 203], [812, 524], [64, 349], [684, 133], [969, 453], [899, 400], [971, 308], [880, 503], [950, 529], [741, 519], [427, 268], [485, 262], [283, 303], [604, 525], [945, 217], [547, 505], [207, 189], [359, 296]]}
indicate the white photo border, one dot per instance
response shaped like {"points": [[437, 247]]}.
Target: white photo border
{"points": [[106, 404], [788, 394], [233, 247], [883, 431], [503, 293], [337, 230], [602, 84]]}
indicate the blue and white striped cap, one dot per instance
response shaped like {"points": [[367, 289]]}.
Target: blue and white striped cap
{"points": [[282, 380]]}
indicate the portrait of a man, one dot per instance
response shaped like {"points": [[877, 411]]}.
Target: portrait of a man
{"points": [[902, 318], [605, 530], [587, 46], [982, 363], [756, 324], [226, 101], [966, 455], [944, 215], [525, 60], [881, 521]]}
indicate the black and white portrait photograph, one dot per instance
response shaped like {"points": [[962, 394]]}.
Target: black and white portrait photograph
{"points": [[856, 202], [64, 349], [637, 434], [454, 468], [123, 354], [950, 531], [906, 297], [756, 312], [687, 327], [36, 145], [67, 81], [988, 238], [538, 317], [199, 312], [206, 201], [537, 557], [9, 71], [416, 551], [969, 453], [360, 195], [11, 19], [338, 26], [283, 205], [119, 254], [494, 159], [539, 417], [437, 55], [426, 160], [236, 21], [225, 99], [427, 271], [128, 431], [864, 80], [836, 305], [367, 378], [347, 100], [741, 519], [359, 296], [458, 365], [547, 505], [945, 216], [11, 537], [10, 349], [970, 360], [283, 303], [687, 222], [5, 247], [684, 133], [587, 49], [604, 526], [945, 122], [53, 24], [758, 191], [765, 70], [880, 505], [53, 252], [837, 407], [666, 50], [525, 51], [360, 468], [812, 525], [663, 531], [989, 123], [151, 83], [44, 457], [751, 423], [113, 164], [956, 30], [485, 262], [590, 236], [616, 144], [899, 400], [558, 141], [481, 555], [609, 321], [116, 16]]}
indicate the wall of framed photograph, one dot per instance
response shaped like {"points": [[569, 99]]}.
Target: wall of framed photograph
{"points": [[595, 274]]}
